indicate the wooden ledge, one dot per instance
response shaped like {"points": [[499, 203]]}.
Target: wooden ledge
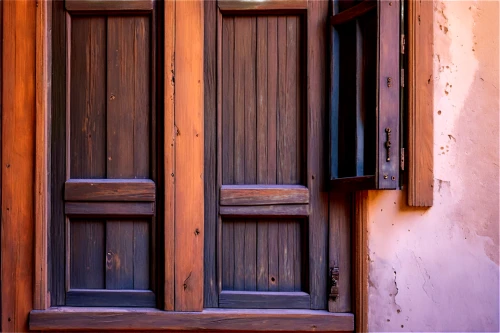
{"points": [[72, 318]]}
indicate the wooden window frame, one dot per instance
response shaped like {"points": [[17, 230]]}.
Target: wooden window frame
{"points": [[24, 214]]}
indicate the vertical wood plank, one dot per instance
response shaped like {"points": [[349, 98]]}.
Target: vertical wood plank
{"points": [[262, 142], [285, 262], [87, 254], [128, 97], [18, 152], [239, 255], [87, 104], [228, 255], [141, 266], [339, 249], [318, 218], [211, 155], [420, 104], [42, 159], [169, 154], [239, 101], [289, 118], [359, 138], [281, 133], [119, 254], [189, 156], [360, 260]]}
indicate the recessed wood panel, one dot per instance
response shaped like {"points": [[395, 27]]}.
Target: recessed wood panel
{"points": [[262, 255], [262, 102]]}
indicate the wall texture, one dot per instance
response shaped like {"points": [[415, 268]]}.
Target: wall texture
{"points": [[437, 269]]}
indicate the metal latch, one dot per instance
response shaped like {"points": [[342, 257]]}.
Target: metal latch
{"points": [[334, 283]]}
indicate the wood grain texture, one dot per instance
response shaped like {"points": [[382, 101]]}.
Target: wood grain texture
{"points": [[108, 209], [420, 104], [238, 5], [102, 297], [213, 319], [263, 211], [387, 171], [109, 190], [169, 154], [264, 300], [108, 5], [353, 12], [285, 267], [189, 196], [316, 148], [252, 195], [360, 260], [42, 153], [18, 163]]}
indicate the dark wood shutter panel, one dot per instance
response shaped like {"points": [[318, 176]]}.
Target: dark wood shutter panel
{"points": [[365, 96]]}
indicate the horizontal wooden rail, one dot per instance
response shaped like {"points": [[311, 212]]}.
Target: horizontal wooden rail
{"points": [[250, 5], [109, 209], [109, 5], [109, 190], [105, 319], [103, 297], [265, 211], [264, 300], [353, 183], [254, 195], [353, 12]]}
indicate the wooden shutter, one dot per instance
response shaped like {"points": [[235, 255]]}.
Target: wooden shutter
{"points": [[110, 188], [365, 95]]}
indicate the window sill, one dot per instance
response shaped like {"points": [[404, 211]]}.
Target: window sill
{"points": [[76, 318]]}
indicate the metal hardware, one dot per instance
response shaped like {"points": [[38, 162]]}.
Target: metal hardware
{"points": [[402, 77], [402, 159], [388, 144], [389, 82], [334, 283], [385, 176], [403, 42]]}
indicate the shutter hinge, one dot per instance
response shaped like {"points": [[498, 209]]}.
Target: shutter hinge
{"points": [[402, 159], [334, 283], [402, 43]]}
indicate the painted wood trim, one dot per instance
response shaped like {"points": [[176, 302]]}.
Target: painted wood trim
{"points": [[245, 5], [169, 153], [264, 300], [210, 319], [252, 195], [18, 163], [420, 104], [106, 5], [360, 260], [189, 156], [41, 300], [109, 190], [109, 209], [265, 211], [103, 297]]}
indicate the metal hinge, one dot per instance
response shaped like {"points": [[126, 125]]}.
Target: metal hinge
{"points": [[402, 159], [402, 43], [334, 283]]}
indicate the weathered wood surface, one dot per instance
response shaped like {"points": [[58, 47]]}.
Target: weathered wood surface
{"points": [[252, 195], [264, 211], [213, 319], [189, 157], [353, 12], [106, 5], [360, 260], [109, 190], [264, 300], [237, 5], [18, 163], [109, 209], [102, 297], [420, 152]]}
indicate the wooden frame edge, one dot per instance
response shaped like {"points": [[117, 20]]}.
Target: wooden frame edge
{"points": [[360, 261], [420, 103], [42, 152]]}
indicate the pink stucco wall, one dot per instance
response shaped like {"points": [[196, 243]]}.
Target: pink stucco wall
{"points": [[437, 269]]}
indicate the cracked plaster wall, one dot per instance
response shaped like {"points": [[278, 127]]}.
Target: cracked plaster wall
{"points": [[437, 269]]}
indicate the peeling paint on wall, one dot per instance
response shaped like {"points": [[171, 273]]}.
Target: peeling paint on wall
{"points": [[437, 269]]}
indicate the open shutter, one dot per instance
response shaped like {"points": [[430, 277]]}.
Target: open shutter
{"points": [[365, 95], [110, 191]]}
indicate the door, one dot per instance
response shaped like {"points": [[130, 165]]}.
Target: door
{"points": [[266, 206]]}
